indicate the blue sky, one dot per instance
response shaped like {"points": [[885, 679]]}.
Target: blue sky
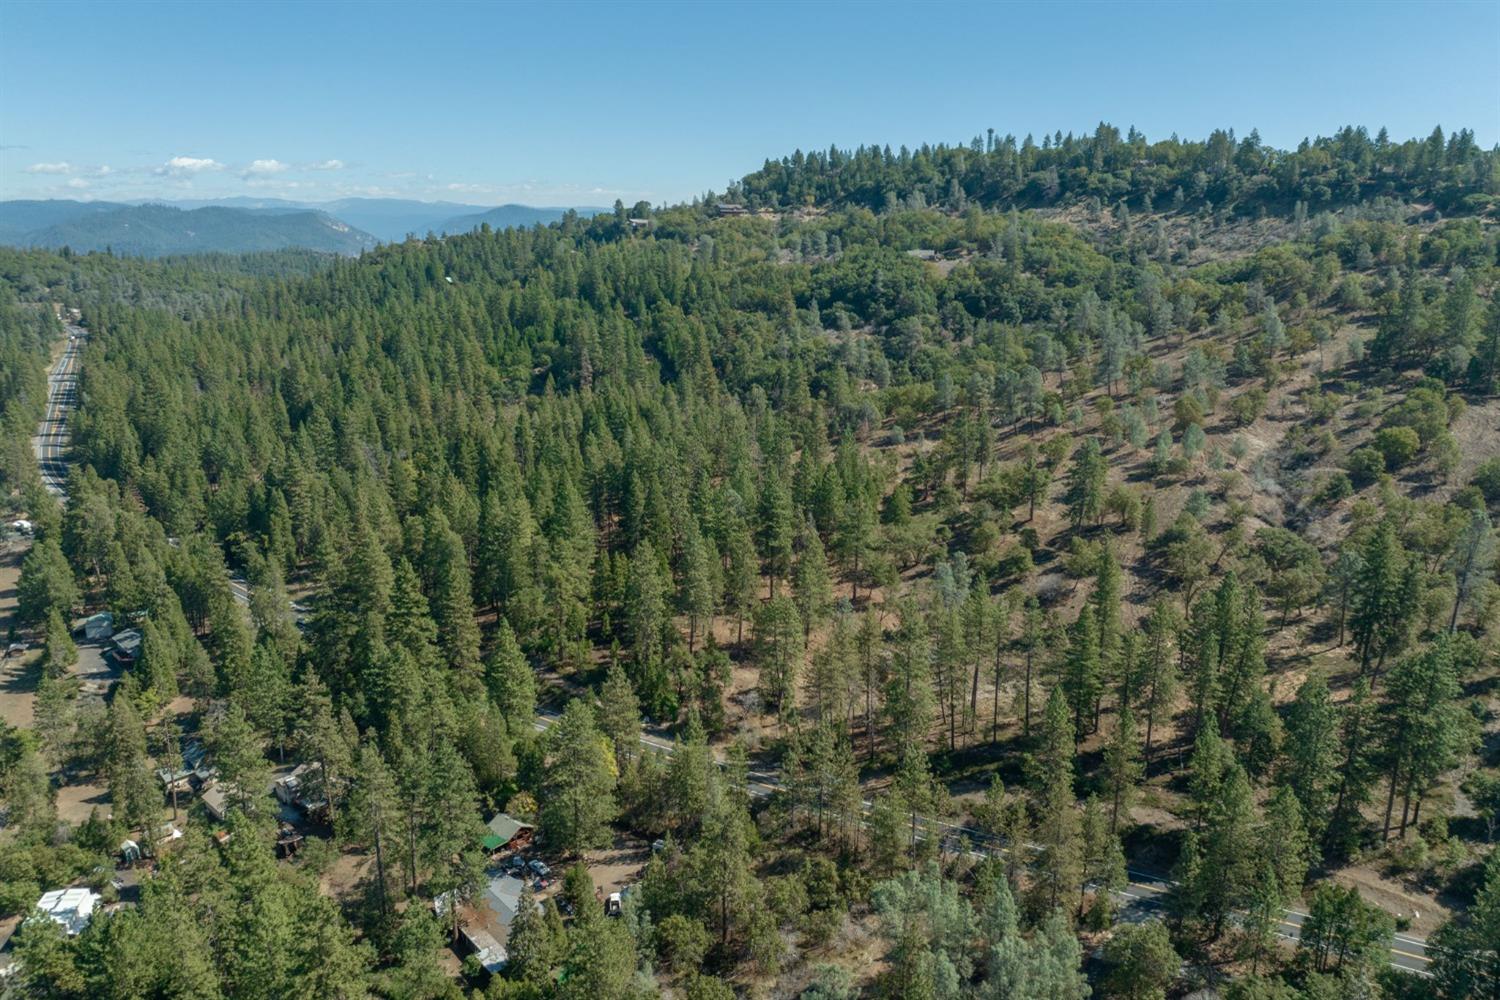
{"points": [[582, 103]]}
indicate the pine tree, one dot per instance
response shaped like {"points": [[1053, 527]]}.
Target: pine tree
{"points": [[1311, 752], [1084, 495], [321, 738], [1103, 868], [132, 787], [1384, 598], [452, 596], [775, 529], [530, 952], [646, 607], [1056, 830], [1465, 961], [1104, 603], [510, 681], [740, 571], [719, 865], [700, 587], [1142, 963], [60, 653], [779, 649], [244, 772], [1123, 768], [46, 584], [1158, 680], [620, 714], [373, 813], [1426, 727], [1472, 559], [1082, 675], [1356, 769], [578, 782], [812, 587]]}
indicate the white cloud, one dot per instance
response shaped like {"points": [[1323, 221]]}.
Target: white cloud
{"points": [[50, 168], [261, 168], [78, 183], [180, 165], [327, 165], [104, 170], [277, 184]]}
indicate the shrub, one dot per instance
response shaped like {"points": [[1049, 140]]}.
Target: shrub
{"points": [[1247, 407], [1335, 488], [1364, 465], [1487, 478], [1397, 445]]}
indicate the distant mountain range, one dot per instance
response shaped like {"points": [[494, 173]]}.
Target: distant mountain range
{"points": [[239, 225]]}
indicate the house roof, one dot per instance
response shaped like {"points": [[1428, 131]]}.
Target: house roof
{"points": [[503, 896], [214, 799], [491, 953], [72, 908], [505, 827], [128, 642]]}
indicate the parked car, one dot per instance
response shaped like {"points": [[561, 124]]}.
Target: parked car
{"points": [[539, 868], [515, 863]]}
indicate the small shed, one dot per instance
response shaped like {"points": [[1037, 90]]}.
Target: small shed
{"points": [[505, 832], [70, 908]]}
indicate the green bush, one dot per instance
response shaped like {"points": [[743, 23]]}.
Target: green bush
{"points": [[1364, 465], [1398, 445], [1487, 478]]}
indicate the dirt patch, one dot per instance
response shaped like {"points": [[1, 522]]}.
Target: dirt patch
{"points": [[75, 802], [342, 879], [1396, 898], [1477, 430], [18, 674], [618, 865]]}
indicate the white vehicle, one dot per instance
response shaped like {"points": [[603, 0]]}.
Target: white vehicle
{"points": [[539, 869]]}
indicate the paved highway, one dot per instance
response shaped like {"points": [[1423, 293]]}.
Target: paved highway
{"points": [[51, 441], [1144, 895]]}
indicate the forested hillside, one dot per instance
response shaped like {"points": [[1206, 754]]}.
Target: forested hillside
{"points": [[1045, 565]]}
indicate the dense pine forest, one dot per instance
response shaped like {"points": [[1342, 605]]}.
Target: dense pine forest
{"points": [[1003, 570]]}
